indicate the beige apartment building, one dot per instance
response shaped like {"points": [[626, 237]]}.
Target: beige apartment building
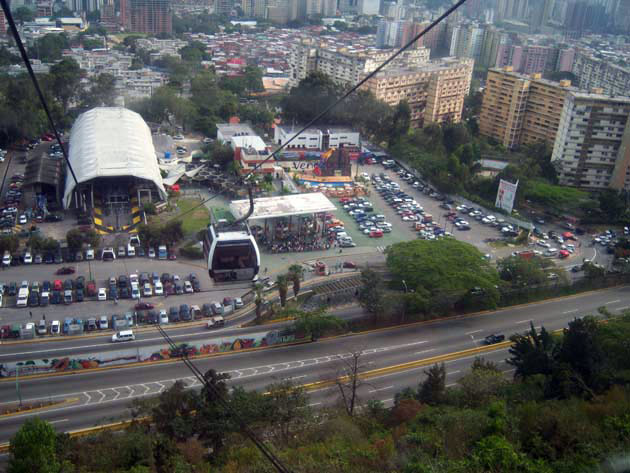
{"points": [[592, 146], [518, 109], [435, 91], [345, 65]]}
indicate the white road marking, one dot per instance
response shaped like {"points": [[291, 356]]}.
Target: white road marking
{"points": [[474, 331], [117, 393], [424, 351], [451, 384], [613, 302], [58, 421], [380, 389], [291, 378], [453, 372], [524, 321], [314, 404], [623, 308], [570, 311]]}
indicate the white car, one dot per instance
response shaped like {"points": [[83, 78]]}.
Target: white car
{"points": [[22, 219], [147, 291], [544, 244], [102, 294], [55, 326], [89, 254], [188, 287], [28, 258], [163, 317], [158, 289], [151, 253], [178, 137]]}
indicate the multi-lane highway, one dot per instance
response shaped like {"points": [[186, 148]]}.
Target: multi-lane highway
{"points": [[103, 396]]}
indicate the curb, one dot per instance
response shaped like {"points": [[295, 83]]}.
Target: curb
{"points": [[71, 400]]}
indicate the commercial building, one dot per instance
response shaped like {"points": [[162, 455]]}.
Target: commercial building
{"points": [[592, 147], [316, 138], [150, 16], [466, 40], [601, 72], [519, 109], [435, 91]]}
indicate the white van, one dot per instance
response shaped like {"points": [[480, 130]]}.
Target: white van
{"points": [[135, 291], [22, 299], [123, 336], [108, 254], [131, 251]]}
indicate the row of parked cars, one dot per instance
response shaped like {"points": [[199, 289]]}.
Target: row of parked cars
{"points": [[134, 286], [144, 314]]}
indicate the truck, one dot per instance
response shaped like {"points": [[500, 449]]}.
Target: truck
{"points": [[162, 252], [22, 298], [526, 254]]}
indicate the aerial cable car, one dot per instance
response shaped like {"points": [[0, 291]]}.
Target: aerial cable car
{"points": [[231, 250]]}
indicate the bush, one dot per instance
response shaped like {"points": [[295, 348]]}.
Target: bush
{"points": [[191, 251]]}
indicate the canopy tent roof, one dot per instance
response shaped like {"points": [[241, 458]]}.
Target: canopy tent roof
{"points": [[283, 206], [111, 142]]}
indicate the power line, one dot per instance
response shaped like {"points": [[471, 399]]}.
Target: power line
{"points": [[336, 102], [42, 99]]}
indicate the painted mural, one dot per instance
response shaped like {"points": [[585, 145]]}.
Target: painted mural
{"points": [[144, 354]]}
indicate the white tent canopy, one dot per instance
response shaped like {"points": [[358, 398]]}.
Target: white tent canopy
{"points": [[111, 142]]}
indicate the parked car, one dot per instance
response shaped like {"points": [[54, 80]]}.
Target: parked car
{"points": [[144, 306]]}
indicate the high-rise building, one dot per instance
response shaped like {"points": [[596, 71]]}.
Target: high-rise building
{"points": [[349, 6], [592, 146], [389, 33], [594, 72], [313, 7], [329, 8], [3, 22], [466, 40], [344, 66], [435, 91], [519, 109], [150, 16], [278, 11], [223, 7], [369, 7]]}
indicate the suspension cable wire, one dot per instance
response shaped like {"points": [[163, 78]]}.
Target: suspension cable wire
{"points": [[265, 450], [42, 99], [334, 104]]}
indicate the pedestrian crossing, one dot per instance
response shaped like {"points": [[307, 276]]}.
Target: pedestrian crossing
{"points": [[381, 249]]}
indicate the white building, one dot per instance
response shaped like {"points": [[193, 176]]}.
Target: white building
{"points": [[316, 138], [369, 7], [227, 131]]}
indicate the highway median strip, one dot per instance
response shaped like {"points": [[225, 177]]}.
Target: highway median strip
{"points": [[38, 408]]}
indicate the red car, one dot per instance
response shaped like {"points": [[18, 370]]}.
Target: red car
{"points": [[376, 234], [172, 254], [65, 270], [144, 306], [57, 285], [349, 265]]}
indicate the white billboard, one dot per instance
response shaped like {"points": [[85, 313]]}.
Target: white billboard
{"points": [[505, 195]]}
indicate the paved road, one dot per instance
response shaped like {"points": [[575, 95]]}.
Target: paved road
{"points": [[106, 395]]}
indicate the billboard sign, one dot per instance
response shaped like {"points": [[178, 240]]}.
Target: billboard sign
{"points": [[505, 195]]}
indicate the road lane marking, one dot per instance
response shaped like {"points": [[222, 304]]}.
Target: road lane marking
{"points": [[424, 351], [58, 421], [453, 372], [570, 311], [451, 384], [314, 404], [623, 308], [525, 321], [474, 331], [613, 302], [380, 389]]}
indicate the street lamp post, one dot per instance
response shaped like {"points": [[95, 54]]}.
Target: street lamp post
{"points": [[405, 284]]}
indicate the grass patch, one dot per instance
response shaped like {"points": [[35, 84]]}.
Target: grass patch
{"points": [[554, 196], [193, 221]]}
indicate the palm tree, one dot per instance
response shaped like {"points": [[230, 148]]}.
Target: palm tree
{"points": [[295, 275], [259, 301], [283, 286]]}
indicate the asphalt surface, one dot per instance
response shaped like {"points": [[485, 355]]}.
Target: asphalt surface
{"points": [[101, 397]]}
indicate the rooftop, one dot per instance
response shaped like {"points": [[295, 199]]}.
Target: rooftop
{"points": [[283, 206]]}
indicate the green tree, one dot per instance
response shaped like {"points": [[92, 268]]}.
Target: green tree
{"points": [[581, 349], [221, 154], [521, 272], [448, 272], [315, 324], [613, 204], [289, 410], [65, 77], [48, 48], [259, 301], [33, 448], [253, 79], [282, 282], [101, 92], [23, 14], [371, 293], [401, 120], [74, 238], [295, 274], [174, 413], [433, 389], [532, 353], [213, 422], [309, 98]]}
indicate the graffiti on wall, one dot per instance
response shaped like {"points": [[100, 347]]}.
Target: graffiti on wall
{"points": [[143, 354]]}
